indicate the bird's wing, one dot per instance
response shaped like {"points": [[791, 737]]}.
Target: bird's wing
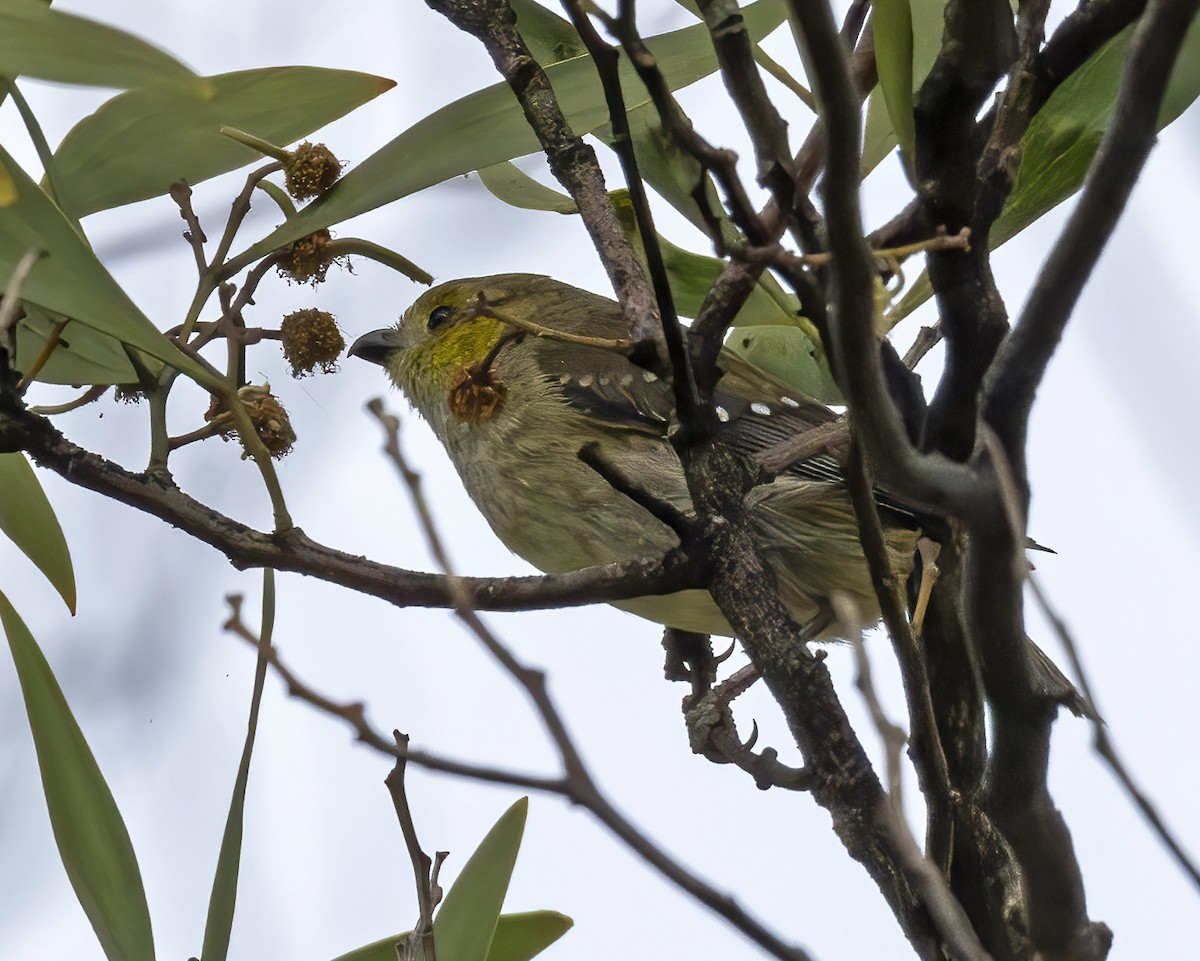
{"points": [[762, 412], [607, 388]]}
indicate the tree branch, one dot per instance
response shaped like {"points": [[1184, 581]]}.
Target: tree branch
{"points": [[292, 550], [1023, 357], [572, 161]]}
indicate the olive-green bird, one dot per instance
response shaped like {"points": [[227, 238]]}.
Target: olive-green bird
{"points": [[513, 408]]}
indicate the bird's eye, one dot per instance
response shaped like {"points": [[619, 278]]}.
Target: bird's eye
{"points": [[439, 316]]}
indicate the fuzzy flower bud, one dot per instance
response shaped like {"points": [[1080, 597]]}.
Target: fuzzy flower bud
{"points": [[310, 170], [308, 259], [311, 339]]}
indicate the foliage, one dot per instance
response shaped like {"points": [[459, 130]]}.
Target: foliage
{"points": [[65, 319]]}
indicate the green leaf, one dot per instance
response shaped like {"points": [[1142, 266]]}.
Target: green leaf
{"points": [[83, 356], [789, 356], [518, 937], [68, 279], [692, 276], [1064, 135], [88, 829], [28, 520], [508, 182], [223, 898], [466, 921], [548, 36], [37, 41], [8, 188], [488, 127], [927, 18], [893, 27], [672, 172], [139, 143]]}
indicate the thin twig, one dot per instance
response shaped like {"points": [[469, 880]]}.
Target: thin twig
{"points": [[893, 737], [572, 161], [292, 550], [580, 786], [354, 714], [1105, 747], [87, 397], [422, 864], [181, 193]]}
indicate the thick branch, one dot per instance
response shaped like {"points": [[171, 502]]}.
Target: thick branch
{"points": [[767, 129], [842, 779], [932, 485], [1022, 360], [978, 47]]}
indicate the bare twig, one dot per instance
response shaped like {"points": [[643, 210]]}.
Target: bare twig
{"points": [[767, 129], [1106, 749], [420, 941], [237, 213], [891, 734], [579, 785], [927, 338], [354, 714], [181, 193]]}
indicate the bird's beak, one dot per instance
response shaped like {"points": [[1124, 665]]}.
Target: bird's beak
{"points": [[377, 345]]}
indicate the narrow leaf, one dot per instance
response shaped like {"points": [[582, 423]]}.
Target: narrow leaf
{"points": [[508, 182], [88, 829], [139, 143], [466, 920], [83, 355], [789, 356], [69, 279], [518, 937], [28, 520], [549, 37], [488, 127], [38, 41], [893, 30], [928, 24], [1063, 137], [223, 898]]}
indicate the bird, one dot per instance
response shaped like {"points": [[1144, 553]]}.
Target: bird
{"points": [[517, 373]]}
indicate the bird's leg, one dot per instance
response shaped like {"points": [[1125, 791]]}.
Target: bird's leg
{"points": [[929, 551]]}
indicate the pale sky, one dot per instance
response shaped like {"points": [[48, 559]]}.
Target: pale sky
{"points": [[162, 694]]}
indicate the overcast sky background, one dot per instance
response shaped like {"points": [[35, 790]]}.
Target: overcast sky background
{"points": [[162, 693]]}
